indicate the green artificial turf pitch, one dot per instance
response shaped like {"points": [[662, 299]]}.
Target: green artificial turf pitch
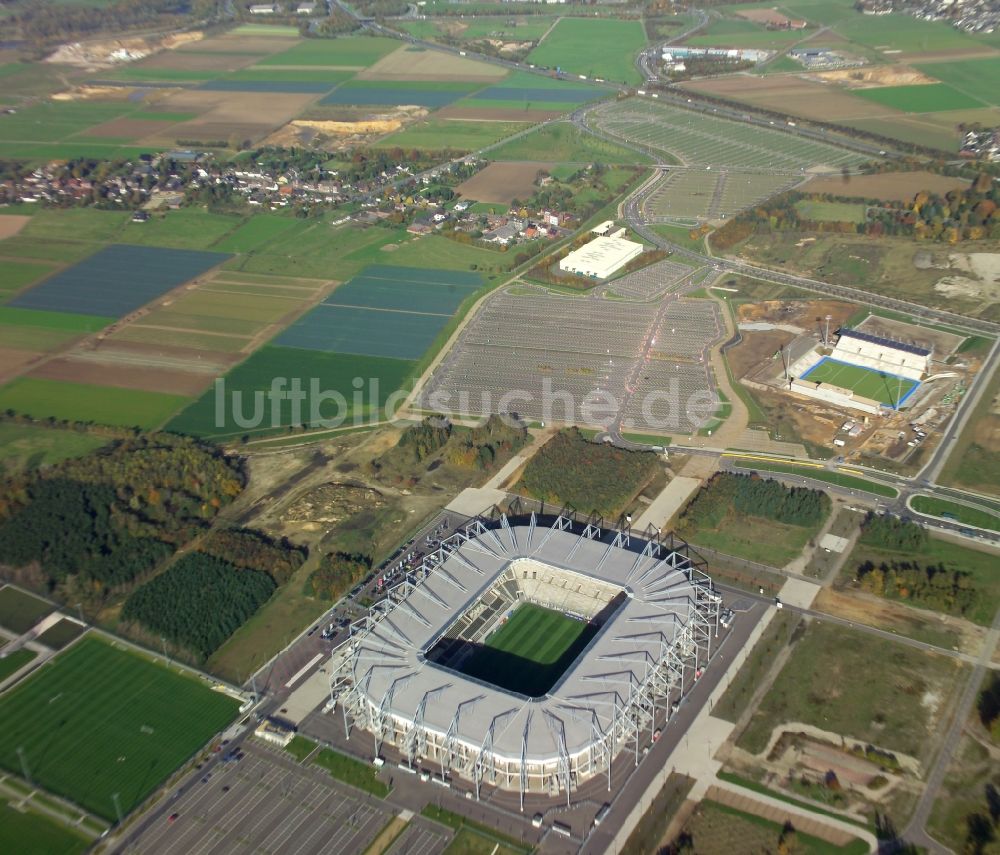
{"points": [[866, 382], [530, 652], [100, 720]]}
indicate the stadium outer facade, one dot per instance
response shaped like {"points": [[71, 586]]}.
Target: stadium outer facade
{"points": [[655, 637]]}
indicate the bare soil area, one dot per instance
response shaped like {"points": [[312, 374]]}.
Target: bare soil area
{"points": [[503, 182], [763, 16], [11, 224], [890, 186], [872, 76], [123, 376], [798, 95], [408, 63]]}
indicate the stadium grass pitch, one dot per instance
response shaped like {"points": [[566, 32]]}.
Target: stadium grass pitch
{"points": [[866, 382], [100, 720], [530, 652]]}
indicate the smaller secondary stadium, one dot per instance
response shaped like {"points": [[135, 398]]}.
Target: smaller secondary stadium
{"points": [[525, 653], [863, 372]]}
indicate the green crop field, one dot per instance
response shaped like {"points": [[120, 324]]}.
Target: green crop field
{"points": [[529, 653], [580, 45], [20, 611], [347, 51], [15, 275], [83, 402], [100, 720], [451, 134], [563, 142], [27, 832], [333, 373], [900, 32], [837, 212], [978, 78], [28, 446], [740, 33], [255, 232], [67, 322], [185, 228], [919, 98], [866, 382]]}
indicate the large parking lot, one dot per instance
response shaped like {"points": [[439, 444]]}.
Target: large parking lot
{"points": [[265, 803]]}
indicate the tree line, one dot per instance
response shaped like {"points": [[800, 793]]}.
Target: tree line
{"points": [[931, 585], [754, 496]]}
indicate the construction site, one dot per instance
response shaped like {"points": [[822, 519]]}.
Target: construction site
{"points": [[875, 388]]}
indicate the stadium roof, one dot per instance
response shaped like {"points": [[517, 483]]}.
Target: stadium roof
{"points": [[885, 342], [389, 667]]}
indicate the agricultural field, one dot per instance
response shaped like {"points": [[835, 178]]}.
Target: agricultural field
{"points": [[28, 446], [563, 142], [17, 275], [887, 186], [336, 399], [101, 720], [740, 33], [530, 651], [117, 280], [346, 52], [528, 93], [393, 312], [862, 687], [455, 134], [698, 139], [429, 94], [504, 182], [920, 98], [580, 45], [975, 78], [876, 385], [79, 402]]}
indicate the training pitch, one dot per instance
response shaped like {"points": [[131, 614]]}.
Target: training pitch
{"points": [[530, 651], [102, 722], [889, 389]]}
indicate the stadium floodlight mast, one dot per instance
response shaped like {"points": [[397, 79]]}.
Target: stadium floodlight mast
{"points": [[118, 807]]}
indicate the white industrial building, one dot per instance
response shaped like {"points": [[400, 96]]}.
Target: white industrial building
{"points": [[882, 354], [601, 257]]}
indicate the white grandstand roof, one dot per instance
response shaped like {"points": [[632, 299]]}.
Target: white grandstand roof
{"points": [[390, 669]]}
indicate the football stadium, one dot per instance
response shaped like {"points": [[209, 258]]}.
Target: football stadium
{"points": [[526, 653], [862, 372]]}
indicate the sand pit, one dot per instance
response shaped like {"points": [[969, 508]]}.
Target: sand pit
{"points": [[407, 63], [11, 224], [873, 76], [503, 182]]}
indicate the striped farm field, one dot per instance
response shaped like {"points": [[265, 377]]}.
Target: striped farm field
{"points": [[530, 651], [101, 720]]}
